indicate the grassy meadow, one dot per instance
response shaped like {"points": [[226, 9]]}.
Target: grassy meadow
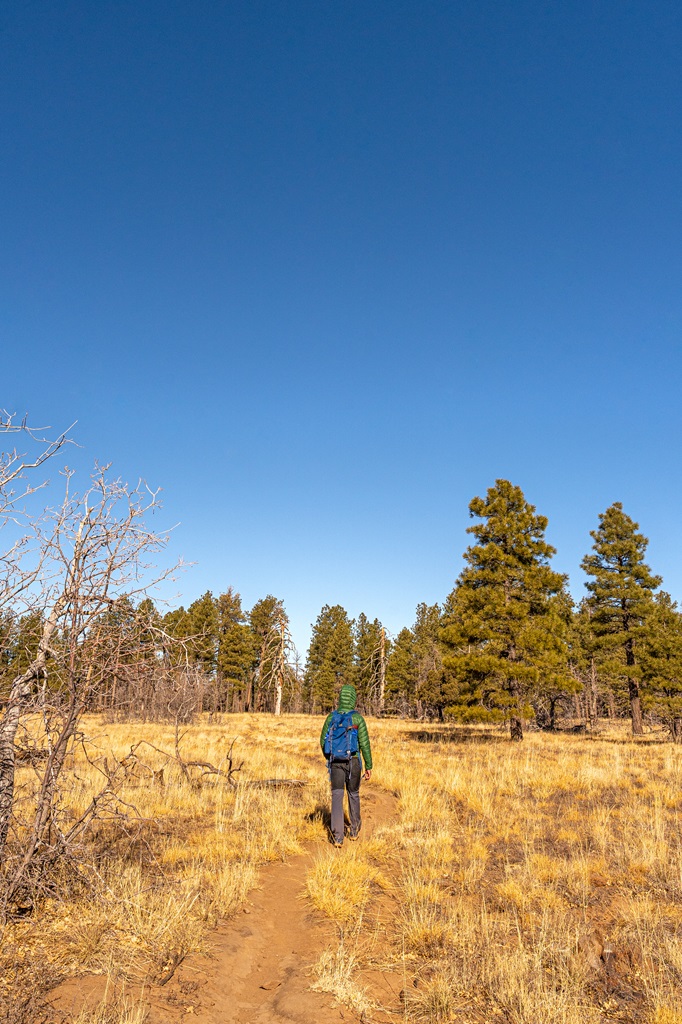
{"points": [[522, 883]]}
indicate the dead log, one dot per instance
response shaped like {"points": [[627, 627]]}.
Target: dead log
{"points": [[275, 783]]}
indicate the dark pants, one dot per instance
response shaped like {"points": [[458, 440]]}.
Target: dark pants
{"points": [[345, 777]]}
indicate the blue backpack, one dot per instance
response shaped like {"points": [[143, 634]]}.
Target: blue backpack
{"points": [[341, 741]]}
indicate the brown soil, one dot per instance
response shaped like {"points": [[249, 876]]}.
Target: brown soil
{"points": [[259, 969]]}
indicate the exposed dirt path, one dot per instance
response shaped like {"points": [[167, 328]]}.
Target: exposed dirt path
{"points": [[259, 968]]}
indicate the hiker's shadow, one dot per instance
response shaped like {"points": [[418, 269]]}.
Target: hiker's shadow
{"points": [[322, 814]]}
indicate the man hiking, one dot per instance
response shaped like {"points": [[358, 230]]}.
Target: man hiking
{"points": [[345, 743]]}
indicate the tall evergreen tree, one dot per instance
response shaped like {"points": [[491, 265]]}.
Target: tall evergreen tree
{"points": [[175, 625], [415, 678], [330, 656], [149, 626], [620, 588], [7, 635], [115, 637], [430, 679], [237, 652], [560, 684], [400, 674], [24, 642], [502, 628], [202, 625], [662, 664]]}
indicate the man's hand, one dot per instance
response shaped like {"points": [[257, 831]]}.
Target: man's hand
{"points": [[368, 774]]}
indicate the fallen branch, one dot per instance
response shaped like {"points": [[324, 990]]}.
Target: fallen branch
{"points": [[276, 783], [184, 765], [172, 965]]}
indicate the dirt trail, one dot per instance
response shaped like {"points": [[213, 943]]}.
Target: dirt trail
{"points": [[259, 968]]}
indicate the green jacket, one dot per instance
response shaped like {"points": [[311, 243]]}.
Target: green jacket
{"points": [[347, 700]]}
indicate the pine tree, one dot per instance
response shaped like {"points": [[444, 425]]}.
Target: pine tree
{"points": [[175, 625], [560, 684], [24, 642], [202, 625], [501, 628], [414, 674], [149, 627], [662, 664], [237, 651], [401, 677], [330, 657], [621, 591], [430, 677], [114, 639], [7, 633]]}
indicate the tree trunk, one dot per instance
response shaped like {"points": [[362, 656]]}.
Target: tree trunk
{"points": [[19, 694], [676, 730], [552, 714], [515, 728], [633, 687], [515, 722], [46, 795], [592, 696], [635, 708], [542, 716]]}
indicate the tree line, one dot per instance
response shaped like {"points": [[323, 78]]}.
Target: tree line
{"points": [[507, 644]]}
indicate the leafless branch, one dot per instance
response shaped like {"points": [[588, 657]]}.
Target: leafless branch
{"points": [[94, 549]]}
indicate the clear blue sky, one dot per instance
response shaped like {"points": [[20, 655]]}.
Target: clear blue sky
{"points": [[323, 271]]}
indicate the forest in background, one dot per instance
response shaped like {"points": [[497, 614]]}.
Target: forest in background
{"points": [[508, 644]]}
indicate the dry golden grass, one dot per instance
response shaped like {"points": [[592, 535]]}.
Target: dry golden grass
{"points": [[183, 856], [336, 972], [532, 883], [340, 886], [529, 883], [115, 1008]]}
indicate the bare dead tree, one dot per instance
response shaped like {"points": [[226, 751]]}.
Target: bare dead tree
{"points": [[145, 674], [373, 669], [20, 478], [280, 657], [226, 770], [92, 549], [16, 481], [382, 671]]}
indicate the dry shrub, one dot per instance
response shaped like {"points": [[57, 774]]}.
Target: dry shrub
{"points": [[336, 972], [340, 886]]}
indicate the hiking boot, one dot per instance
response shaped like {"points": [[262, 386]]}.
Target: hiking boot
{"points": [[336, 844], [354, 836]]}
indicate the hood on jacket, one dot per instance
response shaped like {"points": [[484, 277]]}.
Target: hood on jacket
{"points": [[347, 697]]}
